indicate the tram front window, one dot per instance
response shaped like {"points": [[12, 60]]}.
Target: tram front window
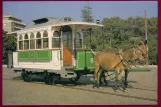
{"points": [[67, 39], [78, 40]]}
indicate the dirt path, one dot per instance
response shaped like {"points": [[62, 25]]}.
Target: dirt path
{"points": [[143, 90]]}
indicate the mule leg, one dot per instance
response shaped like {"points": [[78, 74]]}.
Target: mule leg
{"points": [[116, 79], [104, 77], [101, 76], [122, 79], [126, 75], [95, 76], [98, 77]]}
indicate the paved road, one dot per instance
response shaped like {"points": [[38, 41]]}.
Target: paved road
{"points": [[142, 90]]}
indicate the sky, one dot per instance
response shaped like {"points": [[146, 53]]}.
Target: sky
{"points": [[28, 11]]}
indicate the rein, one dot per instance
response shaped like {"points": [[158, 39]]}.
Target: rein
{"points": [[142, 50], [112, 74]]}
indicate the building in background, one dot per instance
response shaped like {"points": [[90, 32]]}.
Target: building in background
{"points": [[12, 24]]}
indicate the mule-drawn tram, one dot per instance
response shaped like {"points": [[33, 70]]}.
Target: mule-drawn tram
{"points": [[53, 48]]}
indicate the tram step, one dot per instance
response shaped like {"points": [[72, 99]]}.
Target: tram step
{"points": [[67, 74]]}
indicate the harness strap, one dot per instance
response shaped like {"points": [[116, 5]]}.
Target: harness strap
{"points": [[142, 50], [123, 60], [134, 52]]}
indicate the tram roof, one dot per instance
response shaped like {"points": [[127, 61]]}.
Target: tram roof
{"points": [[58, 22], [80, 24]]}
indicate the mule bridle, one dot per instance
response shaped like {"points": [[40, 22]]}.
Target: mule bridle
{"points": [[135, 55], [142, 50], [124, 61]]}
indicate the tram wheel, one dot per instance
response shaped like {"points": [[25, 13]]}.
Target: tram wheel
{"points": [[76, 78], [28, 77], [50, 80], [23, 75], [46, 78]]}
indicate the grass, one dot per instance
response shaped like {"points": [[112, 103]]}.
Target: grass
{"points": [[139, 69]]}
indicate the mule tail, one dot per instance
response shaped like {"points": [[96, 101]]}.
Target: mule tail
{"points": [[93, 52]]}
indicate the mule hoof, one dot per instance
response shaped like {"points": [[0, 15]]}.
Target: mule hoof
{"points": [[124, 88], [98, 86], [106, 84], [94, 86], [101, 83], [116, 87], [126, 84]]}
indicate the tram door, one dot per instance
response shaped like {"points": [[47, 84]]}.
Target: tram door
{"points": [[67, 46]]}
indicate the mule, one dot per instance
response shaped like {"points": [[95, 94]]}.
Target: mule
{"points": [[141, 54], [118, 60]]}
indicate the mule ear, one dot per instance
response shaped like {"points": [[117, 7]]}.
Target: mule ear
{"points": [[141, 43], [145, 42]]}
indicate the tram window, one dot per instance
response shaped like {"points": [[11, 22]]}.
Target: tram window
{"points": [[32, 36], [32, 44], [45, 39], [56, 40], [67, 39], [32, 41], [78, 41], [38, 35], [20, 45], [38, 41], [20, 37], [26, 42], [26, 36], [45, 34], [45, 42]]}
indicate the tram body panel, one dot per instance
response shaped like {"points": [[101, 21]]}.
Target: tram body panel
{"points": [[67, 56], [37, 59], [84, 60]]}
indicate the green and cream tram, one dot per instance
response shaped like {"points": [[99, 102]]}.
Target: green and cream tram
{"points": [[53, 48]]}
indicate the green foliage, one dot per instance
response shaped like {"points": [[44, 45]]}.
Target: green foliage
{"points": [[87, 17], [87, 14], [124, 32], [9, 44]]}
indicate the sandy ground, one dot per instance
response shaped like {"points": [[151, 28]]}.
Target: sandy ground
{"points": [[142, 90]]}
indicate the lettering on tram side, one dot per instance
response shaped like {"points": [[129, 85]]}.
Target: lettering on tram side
{"points": [[91, 60]]}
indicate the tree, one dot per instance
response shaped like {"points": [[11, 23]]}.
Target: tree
{"points": [[87, 17], [122, 31], [87, 14], [9, 44]]}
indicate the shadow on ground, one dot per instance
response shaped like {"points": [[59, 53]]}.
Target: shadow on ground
{"points": [[84, 81]]}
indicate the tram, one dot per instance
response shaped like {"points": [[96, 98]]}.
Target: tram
{"points": [[53, 48]]}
